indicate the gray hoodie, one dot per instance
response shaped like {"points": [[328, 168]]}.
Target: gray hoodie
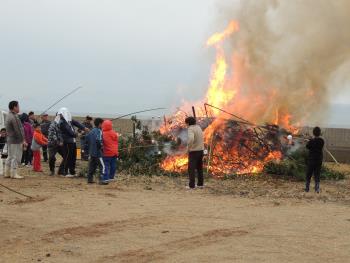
{"points": [[14, 128]]}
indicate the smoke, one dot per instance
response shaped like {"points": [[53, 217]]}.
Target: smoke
{"points": [[288, 54]]}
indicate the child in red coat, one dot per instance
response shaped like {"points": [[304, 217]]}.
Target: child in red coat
{"points": [[110, 150], [39, 140]]}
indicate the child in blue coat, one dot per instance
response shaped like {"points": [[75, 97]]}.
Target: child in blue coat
{"points": [[93, 144]]}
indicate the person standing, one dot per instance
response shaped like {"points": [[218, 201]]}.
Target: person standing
{"points": [[3, 150], [15, 141], [93, 144], [32, 119], [315, 159], [66, 126], [110, 150], [45, 124], [88, 124], [55, 145], [195, 153], [27, 156], [38, 141]]}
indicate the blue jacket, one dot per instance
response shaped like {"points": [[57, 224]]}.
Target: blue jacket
{"points": [[93, 143], [67, 130]]}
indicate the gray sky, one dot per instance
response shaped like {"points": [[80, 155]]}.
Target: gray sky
{"points": [[128, 55]]}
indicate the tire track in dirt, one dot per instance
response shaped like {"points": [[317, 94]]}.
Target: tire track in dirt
{"points": [[165, 250], [99, 229]]}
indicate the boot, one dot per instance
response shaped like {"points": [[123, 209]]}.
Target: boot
{"points": [[317, 187], [15, 175], [307, 186], [7, 173]]}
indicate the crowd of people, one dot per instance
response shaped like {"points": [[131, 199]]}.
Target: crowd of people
{"points": [[24, 138]]}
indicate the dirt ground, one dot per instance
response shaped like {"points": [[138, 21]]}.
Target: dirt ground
{"points": [[143, 219]]}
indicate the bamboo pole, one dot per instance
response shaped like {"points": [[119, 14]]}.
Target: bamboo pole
{"points": [[331, 155], [210, 153]]}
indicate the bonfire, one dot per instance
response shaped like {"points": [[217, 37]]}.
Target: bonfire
{"points": [[235, 144]]}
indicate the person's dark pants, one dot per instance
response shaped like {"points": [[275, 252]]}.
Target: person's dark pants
{"points": [[69, 158], [95, 163], [52, 158], [84, 154], [27, 156], [313, 168], [195, 163], [45, 153]]}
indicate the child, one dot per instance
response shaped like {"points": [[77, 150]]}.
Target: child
{"points": [[315, 147], [39, 140], [3, 150], [93, 144], [110, 150]]}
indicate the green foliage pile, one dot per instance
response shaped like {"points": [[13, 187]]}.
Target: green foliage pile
{"points": [[294, 167], [142, 154]]}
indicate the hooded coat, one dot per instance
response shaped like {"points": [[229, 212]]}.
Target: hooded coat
{"points": [[110, 140]]}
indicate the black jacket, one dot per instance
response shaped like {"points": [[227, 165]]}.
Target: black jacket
{"points": [[45, 128], [67, 130], [315, 147], [2, 143]]}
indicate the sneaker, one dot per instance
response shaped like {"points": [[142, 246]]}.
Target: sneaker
{"points": [[103, 183], [70, 176], [91, 182], [52, 173], [200, 186], [190, 188], [17, 176]]}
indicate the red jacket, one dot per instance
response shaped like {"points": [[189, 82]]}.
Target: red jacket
{"points": [[40, 138], [110, 140]]}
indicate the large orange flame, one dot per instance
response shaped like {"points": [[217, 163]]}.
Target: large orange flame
{"points": [[225, 91]]}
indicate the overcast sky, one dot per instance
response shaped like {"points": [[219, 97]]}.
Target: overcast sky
{"points": [[128, 55]]}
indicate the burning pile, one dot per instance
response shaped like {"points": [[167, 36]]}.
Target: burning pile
{"points": [[235, 145]]}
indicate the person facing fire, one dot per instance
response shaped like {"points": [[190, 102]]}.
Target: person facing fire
{"points": [[195, 148], [315, 147]]}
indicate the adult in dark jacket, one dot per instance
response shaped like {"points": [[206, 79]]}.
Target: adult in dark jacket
{"points": [[93, 144], [315, 147], [45, 124], [66, 126], [88, 124], [55, 145]]}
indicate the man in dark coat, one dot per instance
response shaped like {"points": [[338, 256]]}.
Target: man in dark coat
{"points": [[69, 137]]}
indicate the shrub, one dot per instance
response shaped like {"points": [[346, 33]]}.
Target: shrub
{"points": [[295, 168]]}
